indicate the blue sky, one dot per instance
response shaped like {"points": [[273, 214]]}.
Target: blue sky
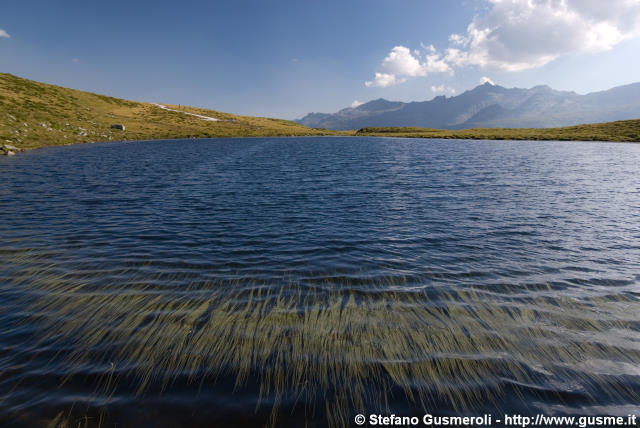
{"points": [[284, 58]]}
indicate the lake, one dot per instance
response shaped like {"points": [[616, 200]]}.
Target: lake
{"points": [[293, 281]]}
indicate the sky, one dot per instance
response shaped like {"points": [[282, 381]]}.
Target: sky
{"points": [[286, 58]]}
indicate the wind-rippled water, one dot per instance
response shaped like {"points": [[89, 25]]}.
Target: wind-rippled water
{"points": [[293, 281]]}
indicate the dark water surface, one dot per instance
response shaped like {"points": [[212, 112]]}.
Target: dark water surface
{"points": [[292, 281]]}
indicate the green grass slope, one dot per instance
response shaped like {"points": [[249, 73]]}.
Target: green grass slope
{"points": [[34, 114], [623, 130]]}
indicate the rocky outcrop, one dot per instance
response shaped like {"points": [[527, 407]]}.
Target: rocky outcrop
{"points": [[9, 150]]}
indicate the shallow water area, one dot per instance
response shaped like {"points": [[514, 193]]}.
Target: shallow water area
{"points": [[293, 281]]}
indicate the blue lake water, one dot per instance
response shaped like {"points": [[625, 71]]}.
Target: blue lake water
{"points": [[292, 281]]}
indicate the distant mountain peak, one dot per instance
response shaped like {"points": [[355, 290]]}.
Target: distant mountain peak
{"points": [[377, 101], [490, 105]]}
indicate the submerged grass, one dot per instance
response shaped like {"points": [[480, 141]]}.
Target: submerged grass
{"points": [[351, 348]]}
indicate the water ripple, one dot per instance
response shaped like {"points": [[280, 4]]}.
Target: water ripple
{"points": [[287, 282]]}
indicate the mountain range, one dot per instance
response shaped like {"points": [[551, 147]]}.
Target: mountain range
{"points": [[490, 106]]}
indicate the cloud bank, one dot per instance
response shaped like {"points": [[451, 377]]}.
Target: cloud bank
{"points": [[4, 34], [516, 35], [443, 89], [401, 63], [522, 34]]}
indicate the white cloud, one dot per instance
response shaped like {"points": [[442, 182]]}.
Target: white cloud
{"points": [[485, 79], [515, 35], [382, 80], [522, 34], [435, 64], [4, 34], [442, 89], [401, 63], [457, 39], [430, 48], [355, 104]]}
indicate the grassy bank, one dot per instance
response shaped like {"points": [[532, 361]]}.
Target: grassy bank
{"points": [[34, 114], [623, 130]]}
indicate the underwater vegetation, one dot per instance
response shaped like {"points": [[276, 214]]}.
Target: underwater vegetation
{"points": [[323, 349]]}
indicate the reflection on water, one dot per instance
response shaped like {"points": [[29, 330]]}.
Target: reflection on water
{"points": [[290, 282]]}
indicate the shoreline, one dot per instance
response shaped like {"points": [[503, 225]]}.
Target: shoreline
{"points": [[10, 150], [35, 114], [616, 131]]}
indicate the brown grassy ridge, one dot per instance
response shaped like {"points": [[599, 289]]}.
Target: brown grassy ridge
{"points": [[622, 130], [34, 114]]}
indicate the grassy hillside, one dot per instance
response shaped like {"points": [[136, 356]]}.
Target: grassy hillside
{"points": [[34, 114], [624, 130]]}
